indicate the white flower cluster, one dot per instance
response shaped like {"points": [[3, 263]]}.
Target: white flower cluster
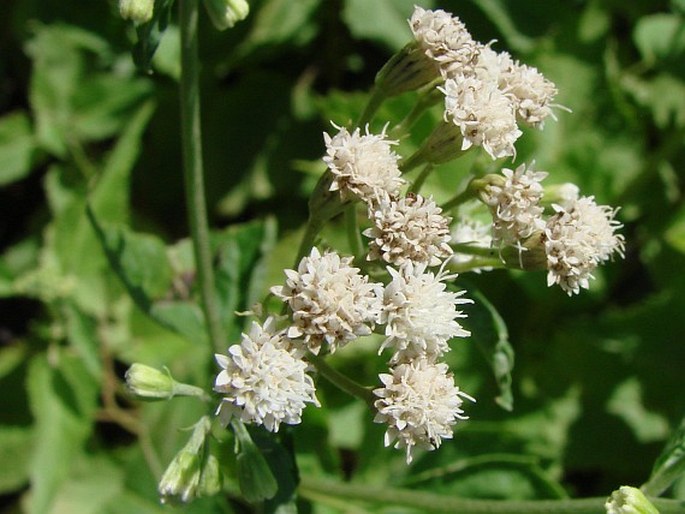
{"points": [[579, 235], [263, 382], [420, 403], [409, 229], [577, 239], [486, 93], [329, 303], [443, 38], [362, 165], [515, 204], [329, 300]]}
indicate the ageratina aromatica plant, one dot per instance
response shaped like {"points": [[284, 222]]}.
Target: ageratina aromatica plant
{"points": [[397, 284]]}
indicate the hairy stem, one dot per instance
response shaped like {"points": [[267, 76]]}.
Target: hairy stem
{"points": [[192, 169]]}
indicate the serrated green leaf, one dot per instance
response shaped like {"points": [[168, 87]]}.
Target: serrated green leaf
{"points": [[17, 147], [16, 447]]}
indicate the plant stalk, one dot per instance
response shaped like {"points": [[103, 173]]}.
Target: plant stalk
{"points": [[341, 381], [434, 502], [191, 141]]}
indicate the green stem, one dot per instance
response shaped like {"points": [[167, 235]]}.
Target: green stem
{"points": [[312, 230], [353, 235], [375, 101], [480, 251], [476, 263], [413, 160], [467, 194], [433, 502], [429, 97], [418, 183], [192, 167], [181, 389], [341, 381]]}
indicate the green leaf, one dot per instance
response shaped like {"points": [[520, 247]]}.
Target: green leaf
{"points": [[62, 401], [94, 483], [257, 482], [140, 260], [17, 147], [490, 334], [670, 465], [16, 447], [73, 96], [241, 251], [675, 233], [83, 337], [362, 18], [659, 36], [281, 21], [279, 453]]}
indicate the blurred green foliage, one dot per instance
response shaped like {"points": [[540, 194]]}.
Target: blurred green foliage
{"points": [[96, 271]]}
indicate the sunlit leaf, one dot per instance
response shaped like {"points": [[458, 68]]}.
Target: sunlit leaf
{"points": [[16, 447], [17, 147]]}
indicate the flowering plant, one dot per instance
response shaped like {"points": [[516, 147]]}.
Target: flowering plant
{"points": [[435, 287]]}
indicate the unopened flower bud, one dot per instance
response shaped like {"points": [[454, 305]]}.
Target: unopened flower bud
{"points": [[149, 383], [407, 70], [210, 479], [444, 144], [192, 472], [226, 13], [138, 11], [629, 500]]}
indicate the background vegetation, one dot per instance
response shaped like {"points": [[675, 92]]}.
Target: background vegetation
{"points": [[598, 380]]}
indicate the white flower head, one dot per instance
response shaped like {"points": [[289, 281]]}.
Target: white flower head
{"points": [[330, 301], [493, 66], [411, 228], [484, 114], [420, 403], [262, 382], [532, 92], [444, 39], [577, 239], [515, 204], [362, 164], [420, 314]]}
